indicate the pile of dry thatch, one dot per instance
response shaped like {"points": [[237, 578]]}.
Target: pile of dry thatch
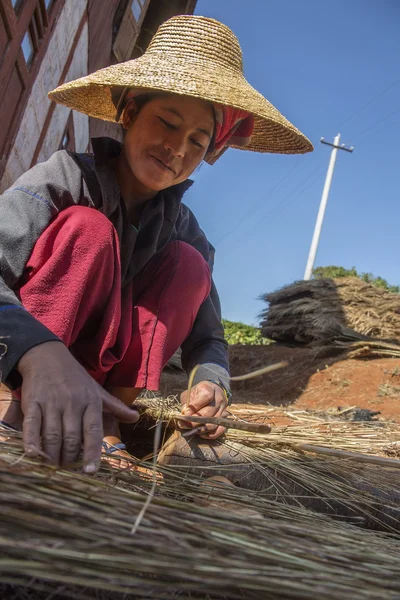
{"points": [[328, 311], [64, 535]]}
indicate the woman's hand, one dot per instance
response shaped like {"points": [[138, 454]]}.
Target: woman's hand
{"points": [[207, 399], [63, 406]]}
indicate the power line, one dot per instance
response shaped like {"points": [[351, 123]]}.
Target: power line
{"points": [[392, 85], [281, 205], [360, 133], [368, 137], [253, 209], [258, 204], [261, 202]]}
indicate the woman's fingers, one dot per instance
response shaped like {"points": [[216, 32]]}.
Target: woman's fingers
{"points": [[201, 395], [72, 435], [93, 428], [217, 432], [213, 435], [62, 410], [211, 431], [207, 399], [123, 413], [32, 428], [52, 433], [92, 438]]}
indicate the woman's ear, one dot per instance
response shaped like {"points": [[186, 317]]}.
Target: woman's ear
{"points": [[129, 114]]}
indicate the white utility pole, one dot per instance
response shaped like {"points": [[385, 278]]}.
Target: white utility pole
{"points": [[324, 201]]}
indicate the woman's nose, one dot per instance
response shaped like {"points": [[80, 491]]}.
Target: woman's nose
{"points": [[176, 144]]}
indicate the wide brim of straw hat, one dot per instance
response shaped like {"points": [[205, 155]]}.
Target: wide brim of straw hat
{"points": [[194, 72]]}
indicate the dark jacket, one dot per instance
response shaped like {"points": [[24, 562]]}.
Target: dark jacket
{"points": [[68, 178]]}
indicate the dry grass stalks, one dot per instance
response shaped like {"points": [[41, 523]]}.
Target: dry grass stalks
{"points": [[290, 465], [65, 535], [361, 437]]}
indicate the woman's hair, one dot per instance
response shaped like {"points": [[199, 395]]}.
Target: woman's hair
{"points": [[143, 99]]}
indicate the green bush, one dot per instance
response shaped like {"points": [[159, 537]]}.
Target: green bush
{"points": [[333, 271], [239, 333]]}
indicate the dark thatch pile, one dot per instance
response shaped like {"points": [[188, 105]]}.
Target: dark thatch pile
{"points": [[64, 535], [328, 311]]}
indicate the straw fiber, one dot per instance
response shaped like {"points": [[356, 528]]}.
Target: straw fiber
{"points": [[65, 535]]}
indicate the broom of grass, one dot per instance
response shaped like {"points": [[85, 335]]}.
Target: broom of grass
{"points": [[68, 533]]}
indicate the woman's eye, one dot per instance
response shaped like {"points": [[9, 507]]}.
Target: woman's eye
{"points": [[167, 123], [196, 143]]}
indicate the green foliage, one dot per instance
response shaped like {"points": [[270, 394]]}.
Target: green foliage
{"points": [[333, 272], [239, 333]]}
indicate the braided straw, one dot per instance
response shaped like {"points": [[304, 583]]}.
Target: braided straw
{"points": [[193, 56]]}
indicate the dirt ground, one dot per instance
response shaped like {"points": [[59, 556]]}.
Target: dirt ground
{"points": [[309, 382]]}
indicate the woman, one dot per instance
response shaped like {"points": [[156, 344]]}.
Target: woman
{"points": [[104, 271]]}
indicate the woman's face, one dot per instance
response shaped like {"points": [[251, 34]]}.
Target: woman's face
{"points": [[167, 139]]}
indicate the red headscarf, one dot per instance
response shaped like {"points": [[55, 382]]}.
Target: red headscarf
{"points": [[233, 126]]}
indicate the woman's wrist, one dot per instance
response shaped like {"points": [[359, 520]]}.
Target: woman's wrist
{"points": [[227, 392], [35, 354]]}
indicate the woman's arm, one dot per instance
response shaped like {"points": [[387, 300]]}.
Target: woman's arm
{"points": [[60, 401], [26, 209], [205, 346]]}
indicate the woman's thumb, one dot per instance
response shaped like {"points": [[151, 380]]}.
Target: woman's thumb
{"points": [[123, 413]]}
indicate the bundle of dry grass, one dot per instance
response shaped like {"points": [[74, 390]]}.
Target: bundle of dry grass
{"points": [[323, 311], [349, 470], [64, 535]]}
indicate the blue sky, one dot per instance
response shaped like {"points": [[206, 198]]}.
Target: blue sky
{"points": [[329, 67]]}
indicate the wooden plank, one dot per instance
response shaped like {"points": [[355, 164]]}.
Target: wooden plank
{"points": [[12, 65]]}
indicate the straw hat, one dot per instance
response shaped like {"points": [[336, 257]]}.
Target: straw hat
{"points": [[194, 56]]}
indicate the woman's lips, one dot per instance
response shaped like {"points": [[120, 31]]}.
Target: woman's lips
{"points": [[161, 165]]}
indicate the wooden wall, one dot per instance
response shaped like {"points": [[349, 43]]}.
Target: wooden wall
{"points": [[158, 12], [101, 21]]}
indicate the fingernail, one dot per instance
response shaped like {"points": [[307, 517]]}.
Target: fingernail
{"points": [[90, 468], [194, 431], [31, 451]]}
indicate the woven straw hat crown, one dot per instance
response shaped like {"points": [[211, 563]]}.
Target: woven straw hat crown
{"points": [[193, 56], [205, 41]]}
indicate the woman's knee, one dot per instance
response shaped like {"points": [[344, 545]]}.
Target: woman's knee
{"points": [[86, 227], [193, 268], [86, 218]]}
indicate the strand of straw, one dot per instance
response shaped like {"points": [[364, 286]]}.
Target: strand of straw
{"points": [[139, 518], [359, 457], [244, 377], [260, 372]]}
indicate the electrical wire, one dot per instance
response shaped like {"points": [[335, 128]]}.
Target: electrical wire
{"points": [[251, 211], [368, 137], [374, 99], [370, 127], [280, 206], [261, 202]]}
